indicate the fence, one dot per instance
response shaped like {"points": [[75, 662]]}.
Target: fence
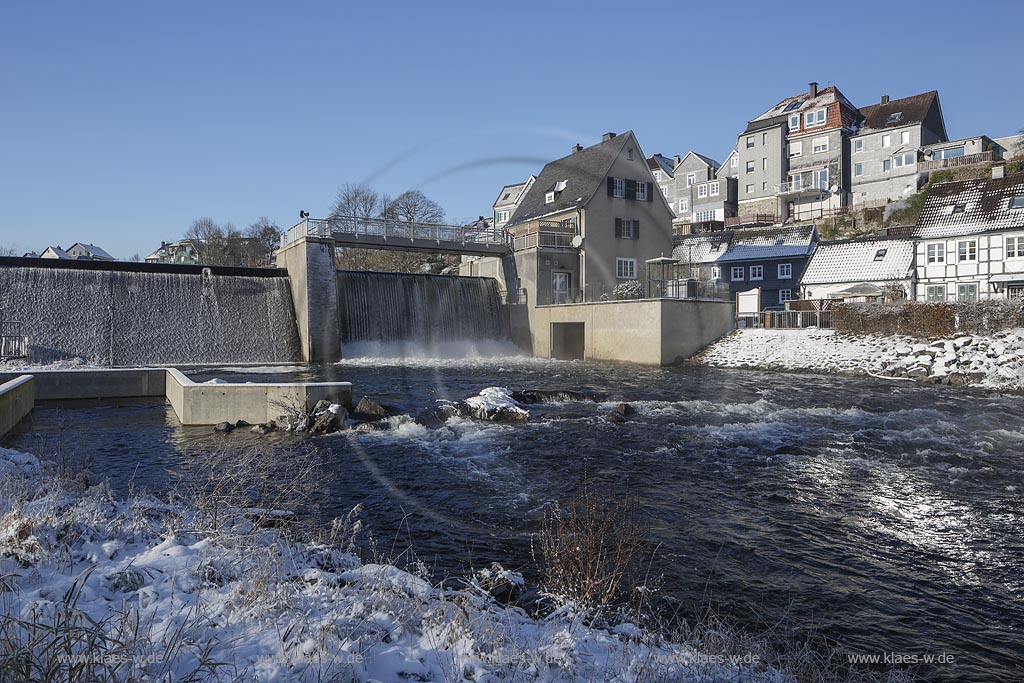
{"points": [[795, 320], [390, 227], [13, 344]]}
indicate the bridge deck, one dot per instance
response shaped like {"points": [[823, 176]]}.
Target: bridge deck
{"points": [[382, 233]]}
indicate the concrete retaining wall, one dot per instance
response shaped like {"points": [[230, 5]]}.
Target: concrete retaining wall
{"points": [[67, 385], [648, 331], [17, 396], [205, 404]]}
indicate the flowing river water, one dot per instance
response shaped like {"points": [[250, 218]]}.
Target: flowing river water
{"points": [[885, 516]]}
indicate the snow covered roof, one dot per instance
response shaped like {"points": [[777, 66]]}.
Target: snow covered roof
{"points": [[967, 207], [745, 245], [870, 259]]}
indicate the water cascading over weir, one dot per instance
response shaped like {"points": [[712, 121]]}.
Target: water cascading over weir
{"points": [[142, 314], [426, 309]]}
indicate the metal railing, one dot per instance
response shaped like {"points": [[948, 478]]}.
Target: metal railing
{"points": [[393, 228], [795, 320], [956, 162], [754, 219], [544, 240], [13, 344]]}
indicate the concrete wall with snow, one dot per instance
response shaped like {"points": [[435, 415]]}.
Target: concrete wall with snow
{"points": [[109, 317]]}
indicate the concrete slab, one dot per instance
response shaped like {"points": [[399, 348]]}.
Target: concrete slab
{"points": [[17, 397]]}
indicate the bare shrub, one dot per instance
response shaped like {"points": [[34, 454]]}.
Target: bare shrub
{"points": [[590, 551], [928, 320]]}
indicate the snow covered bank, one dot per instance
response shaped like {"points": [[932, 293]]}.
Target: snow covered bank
{"points": [[994, 362], [137, 590]]}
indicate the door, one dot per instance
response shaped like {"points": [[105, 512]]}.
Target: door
{"points": [[560, 287]]}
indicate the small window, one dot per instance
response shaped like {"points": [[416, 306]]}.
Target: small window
{"points": [[764, 187], [684, 204], [967, 291], [756, 272], [628, 229], [905, 137], [629, 155], [785, 295], [657, 176], [795, 104], [858, 145], [716, 273], [735, 161], [886, 141], [714, 189], [858, 169], [764, 164], [691, 179], [750, 167], [1015, 247], [967, 250], [880, 254], [794, 122], [736, 274], [764, 138], [893, 118], [702, 190], [664, 190], [641, 192], [815, 118], [625, 268], [750, 189], [887, 164], [785, 271], [909, 159], [1017, 202], [796, 149], [549, 197], [936, 253], [507, 195], [959, 208], [750, 141], [820, 145], [619, 189]]}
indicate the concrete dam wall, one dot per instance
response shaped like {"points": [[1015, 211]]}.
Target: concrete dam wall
{"points": [[424, 308], [119, 316]]}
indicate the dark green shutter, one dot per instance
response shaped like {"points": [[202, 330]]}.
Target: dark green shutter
{"points": [[650, 191], [636, 229], [618, 227], [611, 186], [630, 189]]}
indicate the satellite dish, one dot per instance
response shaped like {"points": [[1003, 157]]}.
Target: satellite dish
{"points": [[577, 241], [834, 189]]}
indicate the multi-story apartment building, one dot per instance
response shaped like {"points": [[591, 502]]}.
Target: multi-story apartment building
{"points": [[970, 240], [699, 197], [793, 159], [886, 150]]}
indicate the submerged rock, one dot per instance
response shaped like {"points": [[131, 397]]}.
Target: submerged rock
{"points": [[495, 404], [368, 407], [264, 428], [437, 414], [224, 427], [624, 409], [531, 396]]}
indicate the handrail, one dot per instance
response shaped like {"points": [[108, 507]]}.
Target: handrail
{"points": [[393, 228]]}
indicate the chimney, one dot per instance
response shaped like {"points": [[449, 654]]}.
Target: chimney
{"points": [[577, 148], [885, 99], [813, 89], [607, 136], [677, 159], [998, 172]]}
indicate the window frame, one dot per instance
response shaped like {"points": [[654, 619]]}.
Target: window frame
{"points": [[750, 142], [886, 141], [858, 146], [691, 179], [732, 273], [935, 253], [935, 293], [760, 273], [641, 191], [971, 252], [621, 261], [1018, 246], [818, 149], [702, 190], [969, 286], [795, 149], [735, 161], [750, 166], [858, 169], [786, 274], [619, 188], [626, 228], [714, 188], [795, 117], [785, 295]]}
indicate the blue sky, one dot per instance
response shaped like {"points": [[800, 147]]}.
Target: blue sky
{"points": [[120, 123]]}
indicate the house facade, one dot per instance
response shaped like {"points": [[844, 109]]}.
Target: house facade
{"points": [[870, 269], [970, 241], [769, 259], [886, 151], [88, 252], [508, 199], [182, 251]]}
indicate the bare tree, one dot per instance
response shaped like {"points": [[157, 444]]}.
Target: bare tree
{"points": [[414, 207], [7, 251], [356, 199], [265, 237]]}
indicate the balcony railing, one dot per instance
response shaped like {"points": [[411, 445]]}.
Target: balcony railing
{"points": [[957, 162], [800, 187], [757, 219], [13, 344], [543, 240]]}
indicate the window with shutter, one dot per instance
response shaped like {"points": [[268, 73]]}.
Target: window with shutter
{"points": [[618, 228]]}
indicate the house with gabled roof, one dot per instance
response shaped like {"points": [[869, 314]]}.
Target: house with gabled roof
{"points": [[970, 240], [769, 259], [792, 157], [889, 145], [864, 269], [88, 252], [700, 199], [55, 253], [508, 199], [589, 223]]}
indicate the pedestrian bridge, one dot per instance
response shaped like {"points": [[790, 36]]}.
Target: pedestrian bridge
{"points": [[390, 233]]}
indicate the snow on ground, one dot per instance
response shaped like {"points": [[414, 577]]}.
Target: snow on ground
{"points": [[994, 362], [146, 595]]}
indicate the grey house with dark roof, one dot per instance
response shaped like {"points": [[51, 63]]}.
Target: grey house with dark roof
{"points": [[589, 223], [508, 201], [769, 259], [887, 149], [970, 241]]}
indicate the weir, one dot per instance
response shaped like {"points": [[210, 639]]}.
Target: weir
{"points": [[141, 315], [428, 309]]}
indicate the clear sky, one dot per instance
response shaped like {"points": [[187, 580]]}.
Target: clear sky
{"points": [[120, 123]]}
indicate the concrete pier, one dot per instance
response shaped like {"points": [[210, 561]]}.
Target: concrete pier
{"points": [[17, 397], [314, 285]]}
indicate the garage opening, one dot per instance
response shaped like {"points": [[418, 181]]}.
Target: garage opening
{"points": [[567, 341]]}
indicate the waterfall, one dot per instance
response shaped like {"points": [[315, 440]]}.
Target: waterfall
{"points": [[423, 309], [138, 318]]}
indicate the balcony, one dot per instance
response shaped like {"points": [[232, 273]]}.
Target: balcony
{"points": [[757, 220], [545, 235], [957, 162], [798, 188]]}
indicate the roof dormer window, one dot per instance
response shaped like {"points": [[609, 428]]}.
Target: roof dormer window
{"points": [[549, 197], [1017, 202], [893, 118], [959, 208], [880, 254]]}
